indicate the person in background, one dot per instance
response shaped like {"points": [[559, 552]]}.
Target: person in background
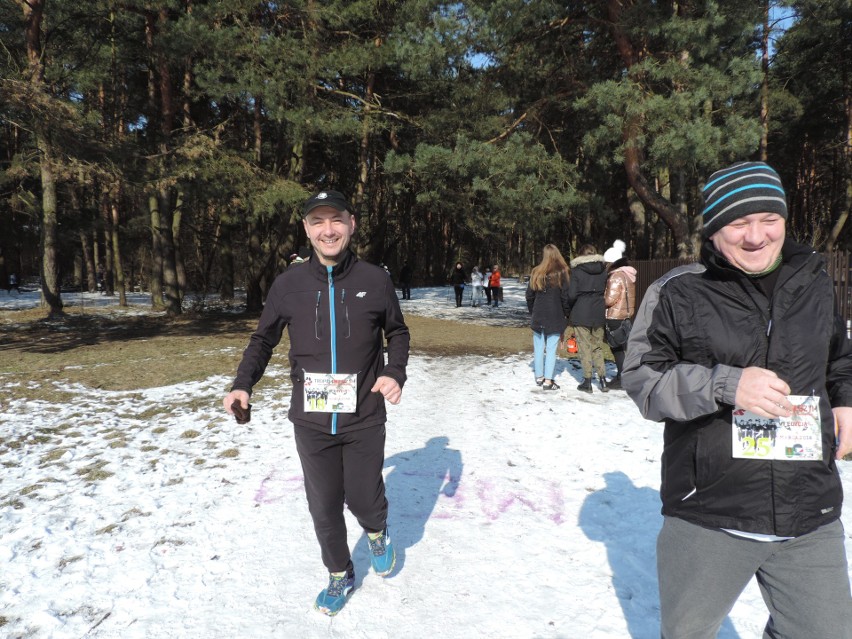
{"points": [[486, 285], [13, 284], [476, 286], [620, 300], [336, 350], [745, 358], [547, 301], [405, 280], [495, 286], [586, 298], [457, 279]]}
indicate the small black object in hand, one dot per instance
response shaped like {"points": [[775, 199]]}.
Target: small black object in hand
{"points": [[242, 415]]}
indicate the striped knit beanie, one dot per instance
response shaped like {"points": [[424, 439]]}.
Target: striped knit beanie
{"points": [[739, 190]]}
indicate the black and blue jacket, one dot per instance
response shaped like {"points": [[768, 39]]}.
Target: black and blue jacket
{"points": [[337, 320]]}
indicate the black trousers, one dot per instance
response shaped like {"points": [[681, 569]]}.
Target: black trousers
{"points": [[459, 294], [346, 467]]}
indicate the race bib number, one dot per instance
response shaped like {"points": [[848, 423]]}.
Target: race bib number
{"points": [[330, 392], [794, 438]]}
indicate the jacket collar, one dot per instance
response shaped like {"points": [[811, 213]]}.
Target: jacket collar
{"points": [[338, 270]]}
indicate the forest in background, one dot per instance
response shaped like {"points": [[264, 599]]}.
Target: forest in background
{"points": [[167, 145]]}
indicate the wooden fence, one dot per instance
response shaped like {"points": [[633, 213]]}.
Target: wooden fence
{"points": [[649, 271]]}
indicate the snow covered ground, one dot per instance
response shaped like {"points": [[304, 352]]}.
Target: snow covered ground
{"points": [[516, 513]]}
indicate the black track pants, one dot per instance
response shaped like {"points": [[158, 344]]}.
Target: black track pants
{"points": [[337, 468]]}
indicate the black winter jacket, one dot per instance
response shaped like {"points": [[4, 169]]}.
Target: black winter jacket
{"points": [[586, 291], [344, 337], [698, 327], [549, 308]]}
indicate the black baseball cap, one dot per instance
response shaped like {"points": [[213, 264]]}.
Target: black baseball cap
{"points": [[334, 199]]}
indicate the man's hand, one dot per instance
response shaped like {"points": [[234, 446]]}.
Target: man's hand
{"points": [[764, 393], [388, 387], [235, 395], [843, 424]]}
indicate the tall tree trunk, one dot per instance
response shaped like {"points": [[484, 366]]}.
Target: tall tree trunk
{"points": [[49, 268], [96, 254], [118, 269], [226, 261], [109, 260], [254, 293], [50, 284], [633, 154], [171, 293], [157, 301], [180, 266], [88, 262], [367, 216]]}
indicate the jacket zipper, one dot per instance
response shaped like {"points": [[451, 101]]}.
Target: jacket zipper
{"points": [[333, 334], [766, 365]]}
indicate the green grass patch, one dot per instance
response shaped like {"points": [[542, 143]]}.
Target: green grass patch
{"points": [[190, 434], [230, 453]]}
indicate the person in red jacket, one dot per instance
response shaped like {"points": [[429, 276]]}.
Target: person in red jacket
{"points": [[494, 285], [338, 312]]}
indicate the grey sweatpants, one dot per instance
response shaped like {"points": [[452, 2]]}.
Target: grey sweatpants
{"points": [[804, 581], [346, 466]]}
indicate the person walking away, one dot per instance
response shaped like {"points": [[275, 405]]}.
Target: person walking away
{"points": [[476, 286], [405, 280], [586, 299], [486, 286], [547, 301], [494, 284], [620, 300], [457, 279], [338, 311], [13, 284], [744, 358]]}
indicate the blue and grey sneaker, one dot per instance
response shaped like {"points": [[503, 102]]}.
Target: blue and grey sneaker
{"points": [[340, 586], [382, 555]]}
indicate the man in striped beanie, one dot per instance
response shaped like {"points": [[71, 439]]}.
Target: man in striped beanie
{"points": [[739, 190], [745, 359], [745, 210]]}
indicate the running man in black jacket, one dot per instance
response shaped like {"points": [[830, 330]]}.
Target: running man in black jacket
{"points": [[338, 311], [745, 359]]}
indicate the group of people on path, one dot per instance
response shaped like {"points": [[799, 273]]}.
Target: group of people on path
{"points": [[749, 334], [595, 296], [487, 284]]}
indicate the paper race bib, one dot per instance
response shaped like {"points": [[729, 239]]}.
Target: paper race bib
{"points": [[330, 392], [794, 438]]}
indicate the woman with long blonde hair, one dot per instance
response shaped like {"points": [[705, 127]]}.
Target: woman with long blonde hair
{"points": [[547, 301]]}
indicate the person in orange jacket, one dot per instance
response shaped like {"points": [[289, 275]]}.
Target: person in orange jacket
{"points": [[494, 285]]}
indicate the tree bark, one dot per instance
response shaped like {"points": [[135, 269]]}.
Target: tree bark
{"points": [[50, 285], [109, 260], [633, 155], [118, 269], [157, 301]]}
